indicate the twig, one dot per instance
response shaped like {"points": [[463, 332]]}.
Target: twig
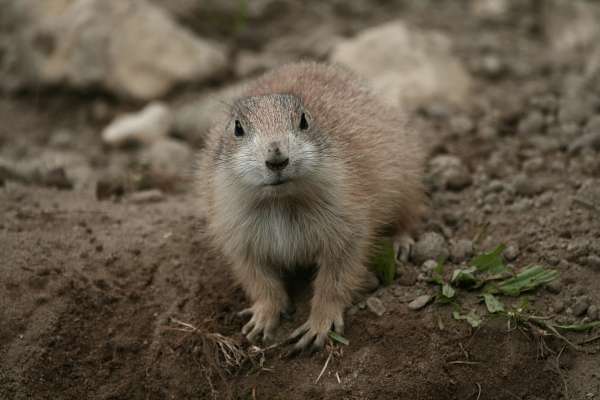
{"points": [[479, 391], [324, 366], [590, 340], [465, 362], [564, 381], [337, 376]]}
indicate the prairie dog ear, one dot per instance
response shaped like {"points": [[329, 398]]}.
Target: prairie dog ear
{"points": [[305, 121]]}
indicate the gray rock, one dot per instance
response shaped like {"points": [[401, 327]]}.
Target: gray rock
{"points": [[511, 252], [430, 246], [588, 196], [533, 123], [526, 186], [558, 306], [593, 312], [406, 65], [168, 158], [589, 140], [146, 196], [419, 302], [129, 47], [581, 306], [449, 172], [554, 286], [146, 126], [461, 125], [375, 306], [593, 261], [461, 250], [429, 266]]}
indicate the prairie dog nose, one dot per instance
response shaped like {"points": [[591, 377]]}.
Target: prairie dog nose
{"points": [[276, 160]]}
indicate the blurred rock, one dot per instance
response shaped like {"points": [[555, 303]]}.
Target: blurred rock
{"points": [[167, 159], [448, 172], [408, 66], [146, 196], [419, 302], [128, 47], [581, 305], [461, 250], [430, 246], [490, 10], [571, 25], [375, 306], [148, 125], [511, 252]]}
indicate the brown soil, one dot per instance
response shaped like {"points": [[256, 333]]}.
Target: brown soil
{"points": [[89, 288]]}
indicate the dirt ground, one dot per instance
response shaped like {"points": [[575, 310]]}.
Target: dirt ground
{"points": [[89, 287]]}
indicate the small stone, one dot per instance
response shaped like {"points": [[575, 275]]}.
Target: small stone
{"points": [[593, 261], [558, 306], [593, 313], [581, 306], [462, 250], [407, 276], [449, 172], [533, 123], [461, 125], [361, 305], [525, 186], [375, 306], [554, 286], [147, 196], [429, 266], [149, 125], [511, 252], [419, 302], [492, 66], [430, 246]]}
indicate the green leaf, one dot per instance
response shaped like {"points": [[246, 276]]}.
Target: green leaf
{"points": [[579, 327], [491, 262], [437, 275], [384, 261], [336, 337], [448, 291], [472, 318], [464, 277], [528, 279], [492, 303]]}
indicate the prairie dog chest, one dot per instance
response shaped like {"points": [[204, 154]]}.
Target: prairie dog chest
{"points": [[287, 237]]}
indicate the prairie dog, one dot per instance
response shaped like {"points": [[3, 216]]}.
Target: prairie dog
{"points": [[308, 168]]}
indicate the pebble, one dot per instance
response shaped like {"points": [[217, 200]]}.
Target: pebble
{"points": [[554, 286], [589, 140], [449, 172], [146, 126], [462, 250], [419, 302], [593, 313], [525, 186], [511, 252], [593, 261], [430, 246], [147, 196], [461, 125], [429, 266], [558, 306], [168, 158], [375, 306], [581, 306], [533, 123]]}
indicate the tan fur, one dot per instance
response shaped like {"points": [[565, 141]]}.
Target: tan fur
{"points": [[363, 181]]}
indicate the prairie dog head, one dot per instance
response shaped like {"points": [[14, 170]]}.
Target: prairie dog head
{"points": [[271, 144]]}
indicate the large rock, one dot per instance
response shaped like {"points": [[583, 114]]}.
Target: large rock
{"points": [[129, 47], [409, 67]]}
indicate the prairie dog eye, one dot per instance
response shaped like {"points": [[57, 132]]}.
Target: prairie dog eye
{"points": [[239, 130], [303, 122]]}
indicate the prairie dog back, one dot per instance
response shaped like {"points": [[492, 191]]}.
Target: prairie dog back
{"points": [[308, 168]]}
